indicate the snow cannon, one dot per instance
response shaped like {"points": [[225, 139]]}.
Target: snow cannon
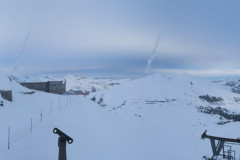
{"points": [[219, 148], [62, 139]]}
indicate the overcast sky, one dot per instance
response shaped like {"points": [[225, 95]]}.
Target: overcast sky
{"points": [[118, 36]]}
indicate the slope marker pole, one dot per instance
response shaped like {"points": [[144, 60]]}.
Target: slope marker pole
{"points": [[31, 126], [9, 137]]}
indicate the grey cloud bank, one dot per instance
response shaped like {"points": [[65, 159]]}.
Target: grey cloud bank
{"points": [[108, 36]]}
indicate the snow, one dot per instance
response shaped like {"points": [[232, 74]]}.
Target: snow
{"points": [[182, 88], [131, 130], [4, 81]]}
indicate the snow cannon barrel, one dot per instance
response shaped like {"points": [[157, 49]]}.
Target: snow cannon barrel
{"points": [[204, 135], [63, 138]]}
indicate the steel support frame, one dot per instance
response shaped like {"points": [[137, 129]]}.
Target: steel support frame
{"points": [[216, 149]]}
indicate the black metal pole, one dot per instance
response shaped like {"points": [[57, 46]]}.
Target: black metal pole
{"points": [[62, 155]]}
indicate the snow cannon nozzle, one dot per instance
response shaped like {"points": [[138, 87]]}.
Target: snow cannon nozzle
{"points": [[204, 134], [63, 136], [62, 140]]}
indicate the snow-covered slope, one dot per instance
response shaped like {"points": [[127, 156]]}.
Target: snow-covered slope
{"points": [[158, 89], [4, 81], [88, 85], [155, 117], [233, 84]]}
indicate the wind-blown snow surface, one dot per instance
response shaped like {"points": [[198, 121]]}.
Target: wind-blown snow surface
{"points": [[141, 128]]}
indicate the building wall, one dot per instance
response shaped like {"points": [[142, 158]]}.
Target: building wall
{"points": [[6, 95], [58, 87], [40, 86]]}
